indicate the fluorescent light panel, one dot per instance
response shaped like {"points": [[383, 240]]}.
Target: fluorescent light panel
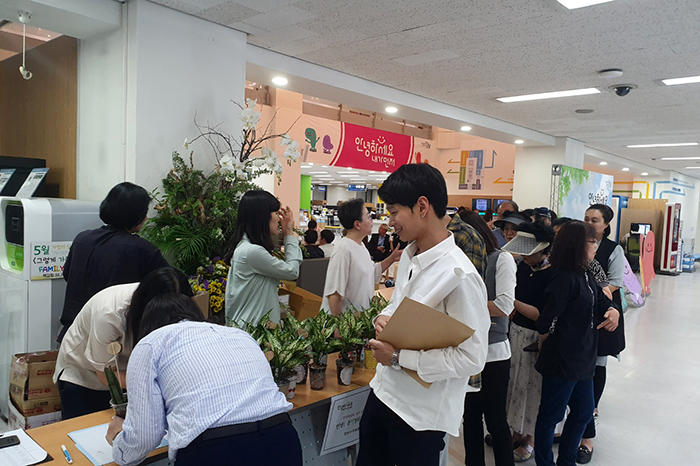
{"points": [[692, 168], [680, 158], [573, 4], [549, 95], [317, 173], [645, 146], [675, 81]]}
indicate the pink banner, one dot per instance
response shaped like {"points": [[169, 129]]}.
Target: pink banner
{"points": [[372, 149]]}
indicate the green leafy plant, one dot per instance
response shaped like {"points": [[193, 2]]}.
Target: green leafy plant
{"points": [[350, 332], [115, 389], [321, 341], [365, 318], [196, 214]]}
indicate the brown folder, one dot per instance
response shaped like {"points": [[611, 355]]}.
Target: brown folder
{"points": [[415, 326]]}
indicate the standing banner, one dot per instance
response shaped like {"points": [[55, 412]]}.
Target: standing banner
{"points": [[578, 189]]}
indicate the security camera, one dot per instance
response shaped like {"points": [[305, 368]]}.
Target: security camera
{"points": [[622, 89]]}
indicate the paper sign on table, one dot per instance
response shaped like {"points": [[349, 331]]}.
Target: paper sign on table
{"points": [[32, 182], [343, 425], [26, 453], [415, 326], [92, 443]]}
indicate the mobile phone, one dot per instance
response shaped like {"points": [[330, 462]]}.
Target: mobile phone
{"points": [[9, 441]]}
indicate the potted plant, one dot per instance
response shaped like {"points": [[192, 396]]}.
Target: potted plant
{"points": [[322, 343], [365, 319], [350, 336], [301, 328], [119, 400]]}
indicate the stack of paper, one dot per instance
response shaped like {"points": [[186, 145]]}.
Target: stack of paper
{"points": [[26, 453], [92, 443]]}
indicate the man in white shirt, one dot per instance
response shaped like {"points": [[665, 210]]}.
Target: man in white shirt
{"points": [[351, 273], [405, 423]]}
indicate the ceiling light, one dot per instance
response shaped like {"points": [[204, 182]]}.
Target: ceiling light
{"points": [[644, 173], [349, 168], [573, 4], [688, 80], [311, 164], [324, 166], [465, 128], [680, 158], [692, 168], [317, 173], [549, 95], [603, 163], [680, 144], [519, 141], [347, 176], [625, 169], [280, 81], [391, 110]]}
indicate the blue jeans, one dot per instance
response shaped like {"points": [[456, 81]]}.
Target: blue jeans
{"points": [[556, 395]]}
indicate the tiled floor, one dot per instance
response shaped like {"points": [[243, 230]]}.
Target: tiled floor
{"points": [[650, 411]]}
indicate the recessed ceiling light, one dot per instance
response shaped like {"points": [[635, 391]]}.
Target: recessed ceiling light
{"points": [[692, 168], [465, 128], [311, 164], [680, 158], [680, 144], [347, 176], [603, 163], [519, 141], [675, 81], [573, 4], [317, 173], [349, 168], [384, 171], [625, 169], [549, 95], [280, 81], [644, 173], [324, 166], [391, 110]]}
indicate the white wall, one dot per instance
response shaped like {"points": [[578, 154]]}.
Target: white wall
{"points": [[139, 90], [340, 193]]}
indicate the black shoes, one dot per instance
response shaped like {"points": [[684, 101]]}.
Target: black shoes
{"points": [[584, 455]]}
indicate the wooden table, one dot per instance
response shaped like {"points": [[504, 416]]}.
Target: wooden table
{"points": [[51, 437]]}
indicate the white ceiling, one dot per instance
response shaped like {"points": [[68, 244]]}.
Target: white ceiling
{"points": [[469, 52], [340, 176]]}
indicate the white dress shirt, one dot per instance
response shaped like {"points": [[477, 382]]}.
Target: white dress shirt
{"points": [[439, 407], [83, 350], [189, 377], [352, 274], [505, 298]]}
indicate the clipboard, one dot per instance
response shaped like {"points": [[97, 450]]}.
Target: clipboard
{"points": [[415, 326]]}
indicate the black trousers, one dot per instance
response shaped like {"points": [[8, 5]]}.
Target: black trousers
{"points": [[274, 446], [386, 440], [78, 401], [598, 386], [489, 402]]}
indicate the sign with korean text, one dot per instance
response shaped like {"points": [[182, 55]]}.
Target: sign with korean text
{"points": [[32, 182], [48, 259], [5, 175], [343, 426], [372, 149], [357, 187]]}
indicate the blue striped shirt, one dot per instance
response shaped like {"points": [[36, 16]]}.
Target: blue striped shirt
{"points": [[189, 377]]}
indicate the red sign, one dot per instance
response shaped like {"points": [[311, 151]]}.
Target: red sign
{"points": [[372, 149]]}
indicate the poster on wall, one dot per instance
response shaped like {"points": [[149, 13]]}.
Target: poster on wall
{"points": [[579, 189]]}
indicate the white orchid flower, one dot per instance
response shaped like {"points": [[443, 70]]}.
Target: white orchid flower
{"points": [[227, 163], [186, 144]]}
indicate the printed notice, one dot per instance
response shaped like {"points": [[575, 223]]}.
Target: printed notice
{"points": [[32, 182], [48, 259], [343, 427], [5, 175]]}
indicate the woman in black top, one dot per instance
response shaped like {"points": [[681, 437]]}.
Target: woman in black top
{"points": [[110, 255], [574, 308], [533, 276]]}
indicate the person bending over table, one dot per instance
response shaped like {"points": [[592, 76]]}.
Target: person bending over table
{"points": [[111, 315], [209, 386]]}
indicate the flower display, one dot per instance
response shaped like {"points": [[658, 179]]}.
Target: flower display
{"points": [[212, 278]]}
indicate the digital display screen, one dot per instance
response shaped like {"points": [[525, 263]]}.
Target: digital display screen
{"points": [[481, 204]]}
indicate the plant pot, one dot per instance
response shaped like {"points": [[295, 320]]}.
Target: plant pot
{"points": [[370, 361], [317, 376], [120, 409], [344, 367], [288, 388], [323, 360], [301, 372]]}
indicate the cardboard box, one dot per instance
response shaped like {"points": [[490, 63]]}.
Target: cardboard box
{"points": [[31, 377], [18, 420], [303, 303], [202, 302], [36, 407]]}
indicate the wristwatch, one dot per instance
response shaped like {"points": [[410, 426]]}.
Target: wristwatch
{"points": [[395, 360]]}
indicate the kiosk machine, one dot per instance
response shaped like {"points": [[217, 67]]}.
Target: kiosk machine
{"points": [[671, 263], [35, 236]]}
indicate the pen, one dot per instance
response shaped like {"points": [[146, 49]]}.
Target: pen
{"points": [[69, 460]]}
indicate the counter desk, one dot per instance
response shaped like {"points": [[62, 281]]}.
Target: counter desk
{"points": [[309, 417]]}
